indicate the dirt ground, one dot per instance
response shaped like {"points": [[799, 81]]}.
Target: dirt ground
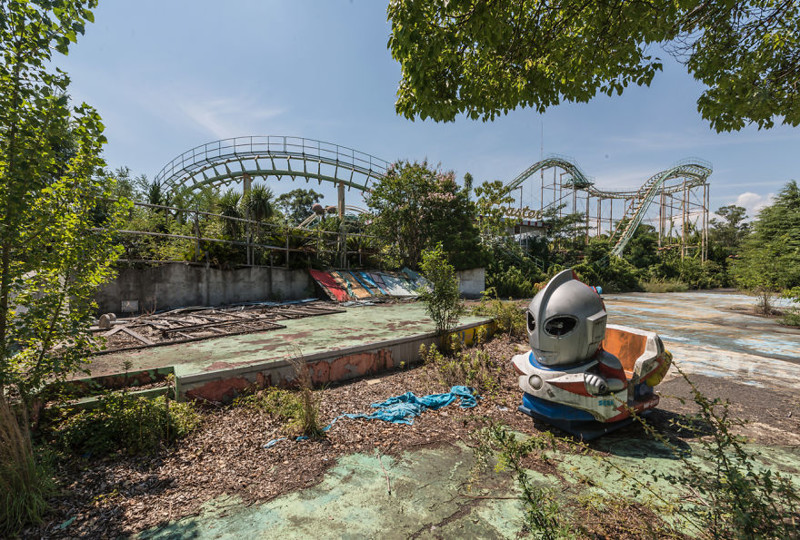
{"points": [[121, 495]]}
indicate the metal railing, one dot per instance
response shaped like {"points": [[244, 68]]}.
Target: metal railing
{"points": [[317, 243], [183, 168]]}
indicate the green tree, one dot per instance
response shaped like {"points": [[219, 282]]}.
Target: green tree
{"points": [[52, 257], [567, 234], [257, 204], [443, 300], [642, 248], [296, 204], [415, 206], [483, 58], [492, 221], [725, 235], [770, 256]]}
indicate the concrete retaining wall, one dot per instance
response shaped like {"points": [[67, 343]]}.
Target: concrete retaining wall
{"points": [[173, 285], [471, 283]]}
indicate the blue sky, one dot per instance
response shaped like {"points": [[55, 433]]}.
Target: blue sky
{"points": [[168, 76]]}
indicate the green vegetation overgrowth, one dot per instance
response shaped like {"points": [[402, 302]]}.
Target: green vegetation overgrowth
{"points": [[125, 423], [296, 409], [483, 59], [508, 315], [724, 492], [53, 199], [472, 367], [25, 483], [442, 299], [417, 207], [307, 417]]}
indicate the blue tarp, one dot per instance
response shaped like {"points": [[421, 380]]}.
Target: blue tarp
{"points": [[402, 409]]}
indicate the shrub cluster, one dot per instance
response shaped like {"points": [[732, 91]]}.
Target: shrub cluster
{"points": [[508, 315], [125, 423], [474, 368], [297, 410]]}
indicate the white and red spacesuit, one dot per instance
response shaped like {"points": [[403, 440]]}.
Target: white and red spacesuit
{"points": [[581, 374]]}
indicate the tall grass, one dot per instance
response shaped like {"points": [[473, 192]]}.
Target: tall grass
{"points": [[309, 403], [24, 484]]}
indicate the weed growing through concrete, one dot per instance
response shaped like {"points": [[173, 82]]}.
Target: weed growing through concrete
{"points": [[732, 496], [474, 368], [24, 484], [726, 493], [543, 517]]}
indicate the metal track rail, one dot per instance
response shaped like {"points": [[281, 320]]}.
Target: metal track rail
{"points": [[228, 160]]}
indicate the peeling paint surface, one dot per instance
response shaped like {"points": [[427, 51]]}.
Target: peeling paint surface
{"points": [[430, 495], [308, 336], [714, 334]]}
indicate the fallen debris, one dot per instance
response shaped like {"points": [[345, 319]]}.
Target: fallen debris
{"points": [[197, 323]]}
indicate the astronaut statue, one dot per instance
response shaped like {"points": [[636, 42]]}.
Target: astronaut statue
{"points": [[581, 374]]}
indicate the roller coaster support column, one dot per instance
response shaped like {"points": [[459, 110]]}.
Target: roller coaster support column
{"points": [[247, 181], [342, 229]]}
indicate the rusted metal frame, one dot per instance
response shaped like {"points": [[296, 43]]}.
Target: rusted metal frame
{"points": [[193, 327], [274, 326]]}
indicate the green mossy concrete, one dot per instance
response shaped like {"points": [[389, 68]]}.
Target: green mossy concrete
{"points": [[307, 336], [434, 495], [429, 497]]}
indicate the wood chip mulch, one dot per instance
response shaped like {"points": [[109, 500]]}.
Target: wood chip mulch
{"points": [[226, 455], [120, 495]]}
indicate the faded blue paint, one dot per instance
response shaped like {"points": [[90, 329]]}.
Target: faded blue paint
{"points": [[706, 319]]}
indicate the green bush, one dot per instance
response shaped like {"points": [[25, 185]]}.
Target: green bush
{"points": [[507, 315], [511, 283], [298, 411], [474, 368], [791, 318], [443, 300], [283, 405], [665, 285], [613, 275], [129, 424]]}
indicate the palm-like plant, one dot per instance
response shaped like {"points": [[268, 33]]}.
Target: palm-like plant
{"points": [[228, 205], [258, 203]]}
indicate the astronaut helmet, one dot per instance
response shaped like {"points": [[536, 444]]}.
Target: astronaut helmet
{"points": [[566, 321]]}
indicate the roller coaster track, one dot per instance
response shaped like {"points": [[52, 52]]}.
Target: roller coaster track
{"points": [[694, 174], [230, 160], [694, 171]]}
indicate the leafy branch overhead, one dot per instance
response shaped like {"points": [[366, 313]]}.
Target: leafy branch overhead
{"points": [[483, 58]]}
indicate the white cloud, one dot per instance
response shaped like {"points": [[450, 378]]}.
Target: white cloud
{"points": [[753, 202], [227, 117]]}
